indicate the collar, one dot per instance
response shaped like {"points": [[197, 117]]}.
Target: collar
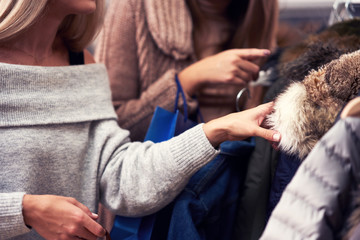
{"points": [[36, 95]]}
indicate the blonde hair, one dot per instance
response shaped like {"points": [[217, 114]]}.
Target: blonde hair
{"points": [[77, 31], [16, 16]]}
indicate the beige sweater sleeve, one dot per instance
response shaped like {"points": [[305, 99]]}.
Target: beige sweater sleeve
{"points": [[121, 48]]}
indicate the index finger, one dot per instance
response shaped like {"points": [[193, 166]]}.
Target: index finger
{"points": [[268, 134], [90, 224], [93, 227], [266, 108], [252, 53], [81, 206]]}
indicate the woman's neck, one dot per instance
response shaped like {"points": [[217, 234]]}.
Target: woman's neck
{"points": [[211, 26], [213, 8], [39, 39], [38, 45]]}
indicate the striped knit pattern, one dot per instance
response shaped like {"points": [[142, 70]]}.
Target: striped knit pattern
{"points": [[143, 52]]}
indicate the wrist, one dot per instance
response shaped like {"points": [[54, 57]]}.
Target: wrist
{"points": [[26, 209], [215, 133], [190, 80]]}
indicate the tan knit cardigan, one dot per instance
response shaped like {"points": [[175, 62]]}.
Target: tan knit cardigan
{"points": [[144, 44]]}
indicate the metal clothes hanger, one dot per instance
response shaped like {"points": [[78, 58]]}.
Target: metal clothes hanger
{"points": [[344, 10]]}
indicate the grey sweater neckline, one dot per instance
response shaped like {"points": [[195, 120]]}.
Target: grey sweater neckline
{"points": [[36, 95]]}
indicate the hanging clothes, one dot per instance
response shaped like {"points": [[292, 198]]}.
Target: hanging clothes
{"points": [[314, 203], [294, 63]]}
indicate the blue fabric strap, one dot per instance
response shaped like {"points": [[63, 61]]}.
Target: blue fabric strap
{"points": [[180, 90]]}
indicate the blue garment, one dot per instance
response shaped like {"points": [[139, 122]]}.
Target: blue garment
{"points": [[285, 171], [206, 208]]}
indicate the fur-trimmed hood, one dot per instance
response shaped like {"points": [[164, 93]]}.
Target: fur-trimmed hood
{"points": [[307, 109]]}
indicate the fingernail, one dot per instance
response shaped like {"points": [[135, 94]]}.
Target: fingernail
{"points": [[276, 137], [267, 52], [94, 214]]}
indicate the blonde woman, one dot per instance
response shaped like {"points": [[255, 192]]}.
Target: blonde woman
{"points": [[62, 151]]}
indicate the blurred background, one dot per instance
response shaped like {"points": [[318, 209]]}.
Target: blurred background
{"points": [[308, 15]]}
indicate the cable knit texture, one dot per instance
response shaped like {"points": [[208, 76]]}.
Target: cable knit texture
{"points": [[143, 45], [59, 135], [143, 51], [171, 30]]}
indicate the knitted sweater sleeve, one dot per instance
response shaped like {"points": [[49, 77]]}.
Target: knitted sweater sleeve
{"points": [[123, 46], [141, 178], [11, 218]]}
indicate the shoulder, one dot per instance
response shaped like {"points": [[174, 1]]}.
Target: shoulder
{"points": [[88, 57]]}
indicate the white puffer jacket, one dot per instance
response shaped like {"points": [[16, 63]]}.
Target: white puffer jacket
{"points": [[313, 204]]}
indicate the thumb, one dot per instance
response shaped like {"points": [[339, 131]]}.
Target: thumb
{"points": [[268, 134]]}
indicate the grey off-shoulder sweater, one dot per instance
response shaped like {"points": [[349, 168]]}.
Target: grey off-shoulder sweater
{"points": [[59, 135]]}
